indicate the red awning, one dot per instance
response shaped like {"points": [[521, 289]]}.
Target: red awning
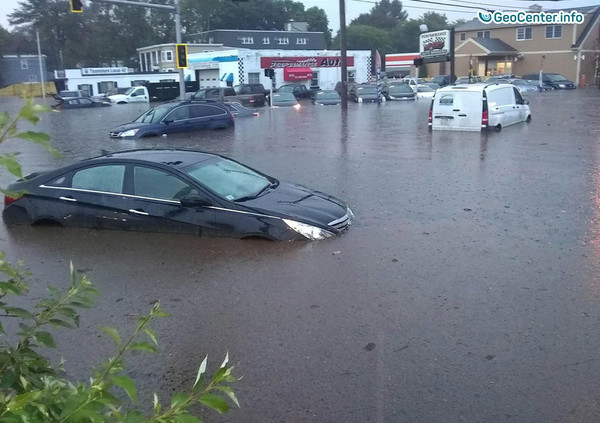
{"points": [[297, 74]]}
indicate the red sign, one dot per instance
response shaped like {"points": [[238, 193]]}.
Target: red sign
{"points": [[304, 62], [297, 74]]}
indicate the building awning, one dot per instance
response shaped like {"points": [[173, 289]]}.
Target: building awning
{"points": [[227, 77], [297, 74]]}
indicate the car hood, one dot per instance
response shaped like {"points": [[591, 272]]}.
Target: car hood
{"points": [[327, 101], [128, 126], [117, 97], [297, 202]]}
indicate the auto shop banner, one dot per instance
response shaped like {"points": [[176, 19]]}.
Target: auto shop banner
{"points": [[304, 62]]}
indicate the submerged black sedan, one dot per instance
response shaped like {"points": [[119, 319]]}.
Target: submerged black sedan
{"points": [[175, 191]]}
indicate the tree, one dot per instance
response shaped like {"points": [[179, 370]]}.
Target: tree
{"points": [[364, 37], [386, 14], [405, 37], [318, 22]]}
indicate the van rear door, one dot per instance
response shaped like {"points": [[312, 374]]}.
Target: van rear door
{"points": [[457, 110]]}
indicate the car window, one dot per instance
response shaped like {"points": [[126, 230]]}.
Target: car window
{"points": [[229, 91], [179, 113], [155, 114], [204, 110], [85, 101], [226, 178], [156, 183], [107, 178]]}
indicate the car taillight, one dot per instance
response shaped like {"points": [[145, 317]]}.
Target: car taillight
{"points": [[484, 118], [9, 200], [430, 115]]}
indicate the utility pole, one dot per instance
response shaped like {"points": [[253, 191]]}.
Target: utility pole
{"points": [[344, 93], [176, 11]]}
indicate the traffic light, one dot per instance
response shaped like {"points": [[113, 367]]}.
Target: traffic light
{"points": [[269, 73], [76, 6], [181, 55]]}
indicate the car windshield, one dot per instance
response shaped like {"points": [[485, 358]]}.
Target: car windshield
{"points": [[425, 89], [366, 90], [155, 114], [400, 89], [129, 91], [555, 78], [285, 89], [328, 96], [283, 97], [228, 179]]}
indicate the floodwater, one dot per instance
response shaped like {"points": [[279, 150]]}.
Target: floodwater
{"points": [[466, 291]]}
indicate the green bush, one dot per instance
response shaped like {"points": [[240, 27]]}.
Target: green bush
{"points": [[34, 390]]}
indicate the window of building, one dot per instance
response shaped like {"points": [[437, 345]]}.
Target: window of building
{"points": [[32, 78], [86, 88], [463, 36], [283, 40], [253, 77], [314, 83], [168, 56], [24, 64], [211, 40], [483, 34], [554, 31], [351, 76], [247, 40], [266, 40], [524, 33], [104, 86], [300, 40]]}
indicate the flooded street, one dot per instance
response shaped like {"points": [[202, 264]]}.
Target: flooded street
{"points": [[467, 290]]}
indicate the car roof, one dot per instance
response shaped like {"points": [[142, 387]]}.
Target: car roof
{"points": [[478, 87], [176, 158]]}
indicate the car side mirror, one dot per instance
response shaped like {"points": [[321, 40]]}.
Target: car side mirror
{"points": [[525, 101], [195, 201]]}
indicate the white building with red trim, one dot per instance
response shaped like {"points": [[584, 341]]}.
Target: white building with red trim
{"points": [[313, 68], [402, 63]]}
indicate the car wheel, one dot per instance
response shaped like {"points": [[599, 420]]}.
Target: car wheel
{"points": [[528, 119], [498, 128]]}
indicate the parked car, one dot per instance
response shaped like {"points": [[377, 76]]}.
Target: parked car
{"points": [[413, 82], [327, 97], [425, 91], [554, 80], [239, 110], [229, 94], [364, 93], [433, 85], [468, 80], [441, 80], [476, 107], [176, 116], [299, 90], [73, 94], [524, 86], [258, 89], [175, 191], [399, 91], [284, 100], [77, 103], [499, 78]]}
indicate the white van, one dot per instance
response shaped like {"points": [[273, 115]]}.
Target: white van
{"points": [[475, 107]]}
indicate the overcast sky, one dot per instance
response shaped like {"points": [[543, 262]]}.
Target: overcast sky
{"points": [[413, 7]]}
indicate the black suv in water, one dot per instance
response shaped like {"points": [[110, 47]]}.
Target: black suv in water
{"points": [[176, 116], [555, 80]]}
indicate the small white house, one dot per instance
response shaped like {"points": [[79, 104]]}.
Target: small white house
{"points": [[313, 68]]}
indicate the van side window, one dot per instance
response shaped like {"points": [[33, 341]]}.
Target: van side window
{"points": [[501, 97], [446, 100], [518, 96]]}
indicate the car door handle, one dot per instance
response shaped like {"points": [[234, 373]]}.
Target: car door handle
{"points": [[456, 110], [71, 199], [138, 212], [462, 114]]}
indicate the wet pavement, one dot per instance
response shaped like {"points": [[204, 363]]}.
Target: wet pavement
{"points": [[466, 291]]}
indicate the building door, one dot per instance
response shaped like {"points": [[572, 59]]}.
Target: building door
{"points": [[208, 78]]}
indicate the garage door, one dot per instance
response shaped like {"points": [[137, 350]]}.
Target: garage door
{"points": [[208, 78]]}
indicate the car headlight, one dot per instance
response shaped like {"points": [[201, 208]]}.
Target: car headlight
{"points": [[561, 85], [129, 133], [360, 100], [308, 231]]}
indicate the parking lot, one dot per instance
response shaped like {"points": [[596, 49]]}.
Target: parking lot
{"points": [[467, 289]]}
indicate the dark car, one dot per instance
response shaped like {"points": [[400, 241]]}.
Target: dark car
{"points": [[77, 103], [299, 90], [175, 191], [239, 110], [284, 100], [327, 98], [554, 80], [176, 116], [400, 91], [441, 80], [364, 93]]}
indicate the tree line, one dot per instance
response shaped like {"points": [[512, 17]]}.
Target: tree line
{"points": [[107, 34]]}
